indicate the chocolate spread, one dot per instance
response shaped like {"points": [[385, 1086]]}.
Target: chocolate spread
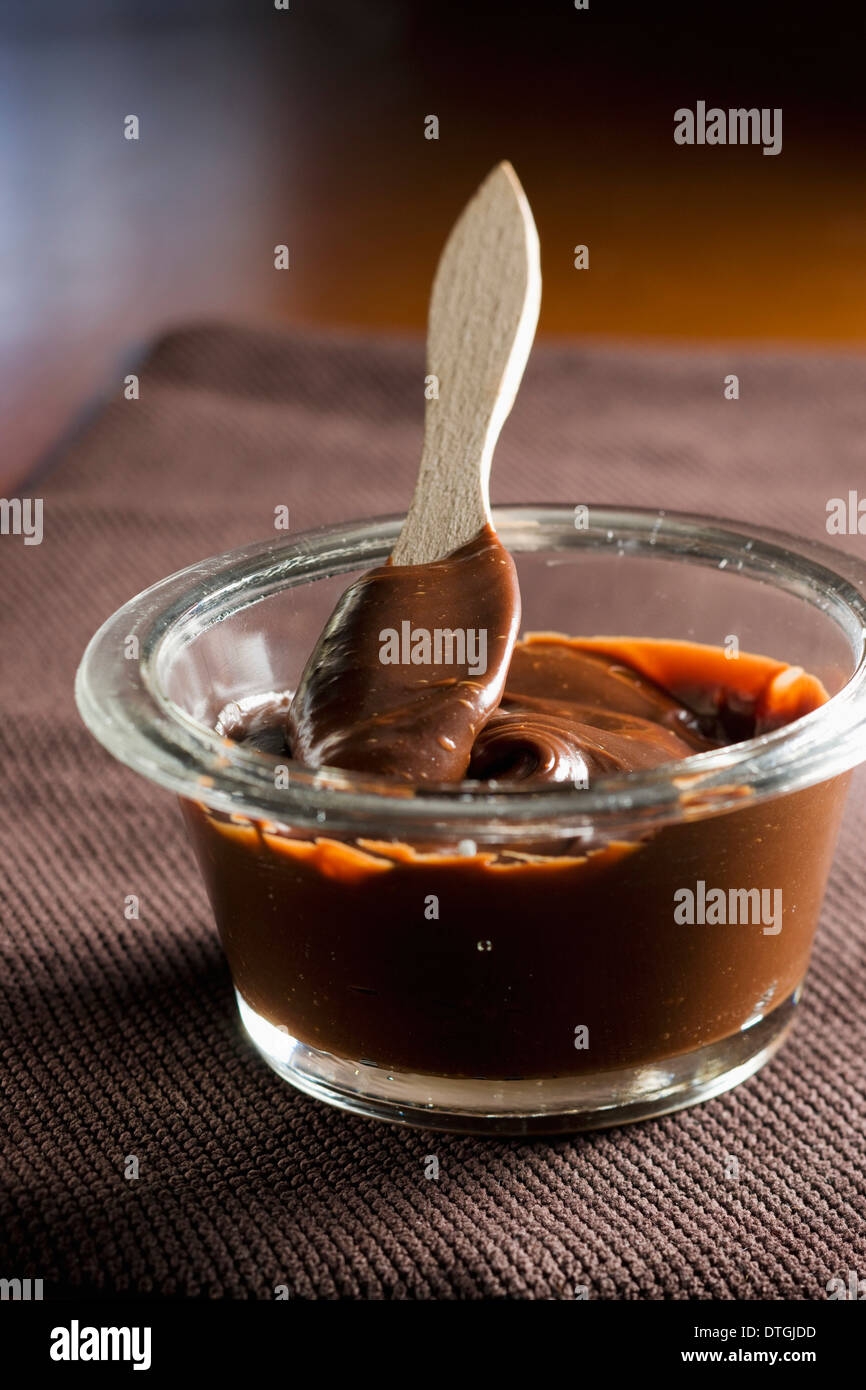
{"points": [[385, 692], [339, 941]]}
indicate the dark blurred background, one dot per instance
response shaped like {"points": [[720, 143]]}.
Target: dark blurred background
{"points": [[306, 127]]}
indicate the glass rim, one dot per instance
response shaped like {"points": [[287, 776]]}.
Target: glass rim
{"points": [[124, 704]]}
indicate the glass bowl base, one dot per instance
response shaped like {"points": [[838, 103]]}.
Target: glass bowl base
{"points": [[541, 1105]]}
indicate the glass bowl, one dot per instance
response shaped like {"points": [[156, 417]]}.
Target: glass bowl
{"points": [[503, 960]]}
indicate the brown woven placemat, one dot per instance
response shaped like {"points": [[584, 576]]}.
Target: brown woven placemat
{"points": [[120, 1038]]}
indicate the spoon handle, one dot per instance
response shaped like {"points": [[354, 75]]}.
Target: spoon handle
{"points": [[483, 313]]}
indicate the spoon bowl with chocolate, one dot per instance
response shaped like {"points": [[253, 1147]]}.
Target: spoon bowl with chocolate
{"points": [[609, 914]]}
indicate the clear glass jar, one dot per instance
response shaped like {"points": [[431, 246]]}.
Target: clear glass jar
{"points": [[504, 961]]}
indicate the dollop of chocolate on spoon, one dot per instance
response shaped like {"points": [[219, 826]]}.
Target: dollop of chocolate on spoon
{"points": [[393, 687]]}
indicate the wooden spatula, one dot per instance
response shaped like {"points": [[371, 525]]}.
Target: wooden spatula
{"points": [[415, 716], [483, 313]]}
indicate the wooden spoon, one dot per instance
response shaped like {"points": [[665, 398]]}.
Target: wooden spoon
{"points": [[360, 705], [483, 314]]}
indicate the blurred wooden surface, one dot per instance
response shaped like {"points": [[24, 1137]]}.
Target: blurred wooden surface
{"points": [[307, 128]]}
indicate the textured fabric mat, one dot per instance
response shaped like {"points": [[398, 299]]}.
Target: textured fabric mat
{"points": [[121, 1038]]}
